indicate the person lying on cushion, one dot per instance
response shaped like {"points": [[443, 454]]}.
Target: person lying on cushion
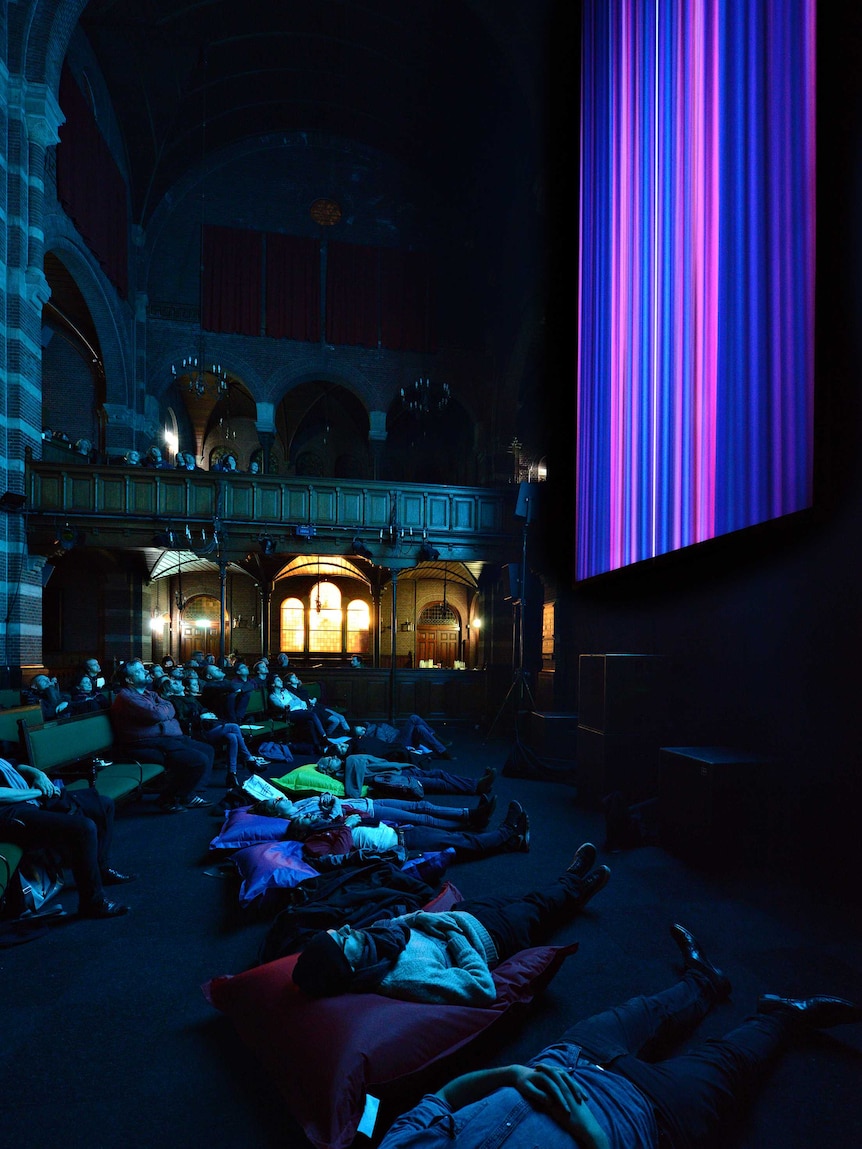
{"points": [[445, 957], [361, 832], [326, 807], [358, 770], [592, 1089]]}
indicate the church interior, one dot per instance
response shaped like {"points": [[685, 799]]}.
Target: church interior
{"points": [[304, 349]]}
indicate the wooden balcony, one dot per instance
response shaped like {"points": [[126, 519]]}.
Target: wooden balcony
{"points": [[129, 506]]}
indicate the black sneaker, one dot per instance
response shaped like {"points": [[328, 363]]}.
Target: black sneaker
{"points": [[197, 802], [594, 882]]}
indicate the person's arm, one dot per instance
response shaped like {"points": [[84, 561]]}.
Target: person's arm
{"points": [[39, 780], [547, 1088], [11, 797]]}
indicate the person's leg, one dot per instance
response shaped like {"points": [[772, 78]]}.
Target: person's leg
{"points": [[189, 763], [467, 846], [437, 781], [694, 1093], [224, 734], [100, 811], [73, 836], [415, 730], [518, 923], [399, 811]]}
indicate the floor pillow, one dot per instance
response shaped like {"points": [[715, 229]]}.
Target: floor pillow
{"points": [[328, 1055], [241, 828], [267, 869], [309, 780]]}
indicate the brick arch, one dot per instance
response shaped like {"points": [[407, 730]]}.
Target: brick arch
{"points": [[46, 28]]}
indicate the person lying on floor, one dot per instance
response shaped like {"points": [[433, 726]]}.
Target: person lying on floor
{"points": [[592, 1090], [358, 770], [445, 957], [385, 740], [357, 831], [326, 807]]}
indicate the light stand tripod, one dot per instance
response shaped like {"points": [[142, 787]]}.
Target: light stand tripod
{"points": [[520, 687]]}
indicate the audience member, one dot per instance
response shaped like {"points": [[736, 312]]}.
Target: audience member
{"points": [[36, 813], [358, 770], [94, 669], [45, 692], [335, 725], [201, 723], [85, 698], [603, 1085], [154, 460], [132, 459], [145, 724], [283, 703], [446, 957], [381, 738]]}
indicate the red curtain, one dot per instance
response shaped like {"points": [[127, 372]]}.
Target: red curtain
{"points": [[232, 275], [292, 287], [90, 186], [352, 294], [405, 301]]}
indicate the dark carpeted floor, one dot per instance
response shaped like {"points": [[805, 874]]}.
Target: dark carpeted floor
{"points": [[108, 1041]]}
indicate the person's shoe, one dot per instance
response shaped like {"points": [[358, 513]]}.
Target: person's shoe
{"points": [[583, 861], [103, 909], [112, 877], [231, 781], [481, 816], [483, 786], [172, 806], [197, 802], [818, 1012], [694, 958], [593, 883], [256, 762], [519, 840]]}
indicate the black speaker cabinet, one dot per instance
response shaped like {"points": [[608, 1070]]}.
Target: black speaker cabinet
{"points": [[620, 694], [716, 805], [608, 762]]}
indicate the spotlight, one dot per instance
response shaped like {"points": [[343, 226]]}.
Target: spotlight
{"points": [[357, 547], [267, 544], [428, 554], [68, 538]]}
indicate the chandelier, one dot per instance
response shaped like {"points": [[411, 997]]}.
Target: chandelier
{"points": [[422, 397], [201, 379]]}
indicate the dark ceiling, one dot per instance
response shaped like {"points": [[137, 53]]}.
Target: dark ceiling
{"points": [[437, 84]]}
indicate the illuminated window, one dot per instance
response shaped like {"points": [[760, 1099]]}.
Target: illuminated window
{"points": [[292, 625], [324, 619], [358, 627]]}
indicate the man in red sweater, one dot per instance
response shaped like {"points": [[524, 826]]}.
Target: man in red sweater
{"points": [[146, 725]]}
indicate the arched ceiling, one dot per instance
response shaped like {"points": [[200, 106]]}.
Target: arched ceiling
{"points": [[434, 83]]}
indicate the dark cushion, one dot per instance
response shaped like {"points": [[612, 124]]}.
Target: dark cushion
{"points": [[327, 1055]]}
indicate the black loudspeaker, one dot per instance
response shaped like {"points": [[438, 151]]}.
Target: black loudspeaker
{"points": [[620, 694], [528, 494], [512, 582], [716, 806]]}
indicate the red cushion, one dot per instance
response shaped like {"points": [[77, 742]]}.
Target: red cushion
{"points": [[326, 1055]]}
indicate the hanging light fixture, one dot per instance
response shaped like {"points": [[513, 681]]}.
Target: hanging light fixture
{"points": [[201, 377], [422, 397]]}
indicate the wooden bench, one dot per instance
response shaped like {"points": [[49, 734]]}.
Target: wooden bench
{"points": [[73, 747]]}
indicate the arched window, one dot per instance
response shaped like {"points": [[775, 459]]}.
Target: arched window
{"points": [[292, 625], [324, 619], [358, 627]]}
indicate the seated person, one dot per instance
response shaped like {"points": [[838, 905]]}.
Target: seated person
{"points": [[226, 463], [94, 669], [381, 738], [145, 724], [223, 695], [358, 770], [45, 692], [85, 698], [132, 459], [389, 826], [35, 813], [335, 724], [203, 724], [154, 460], [284, 703], [445, 957], [593, 1086]]}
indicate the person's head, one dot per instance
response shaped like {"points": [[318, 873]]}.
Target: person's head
{"points": [[136, 676], [254, 467], [356, 660], [40, 683], [292, 680], [132, 458], [274, 808], [261, 669], [241, 670], [91, 665], [213, 673], [157, 672], [83, 683], [193, 685], [348, 959], [359, 730], [274, 680], [282, 659], [177, 672], [167, 662], [83, 446], [154, 455], [329, 764], [170, 687]]}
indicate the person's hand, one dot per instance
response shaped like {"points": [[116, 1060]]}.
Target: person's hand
{"points": [[43, 784], [552, 1090]]}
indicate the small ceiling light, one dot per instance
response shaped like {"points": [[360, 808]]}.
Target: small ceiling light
{"points": [[428, 554], [267, 544], [357, 547]]}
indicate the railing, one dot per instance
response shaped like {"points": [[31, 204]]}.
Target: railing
{"points": [[461, 522]]}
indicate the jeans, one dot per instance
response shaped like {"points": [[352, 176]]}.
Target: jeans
{"points": [[187, 762], [231, 735], [695, 1092]]}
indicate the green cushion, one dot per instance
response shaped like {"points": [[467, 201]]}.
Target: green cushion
{"points": [[309, 780]]}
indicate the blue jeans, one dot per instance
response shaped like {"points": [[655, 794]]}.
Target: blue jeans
{"points": [[695, 1092]]}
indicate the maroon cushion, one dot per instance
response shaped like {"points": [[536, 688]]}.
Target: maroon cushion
{"points": [[326, 1055]]}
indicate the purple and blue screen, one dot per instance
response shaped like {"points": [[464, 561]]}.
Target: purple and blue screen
{"points": [[696, 278]]}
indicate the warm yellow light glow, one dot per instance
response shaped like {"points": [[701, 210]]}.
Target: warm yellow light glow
{"points": [[477, 622], [171, 442], [203, 623], [156, 623]]}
